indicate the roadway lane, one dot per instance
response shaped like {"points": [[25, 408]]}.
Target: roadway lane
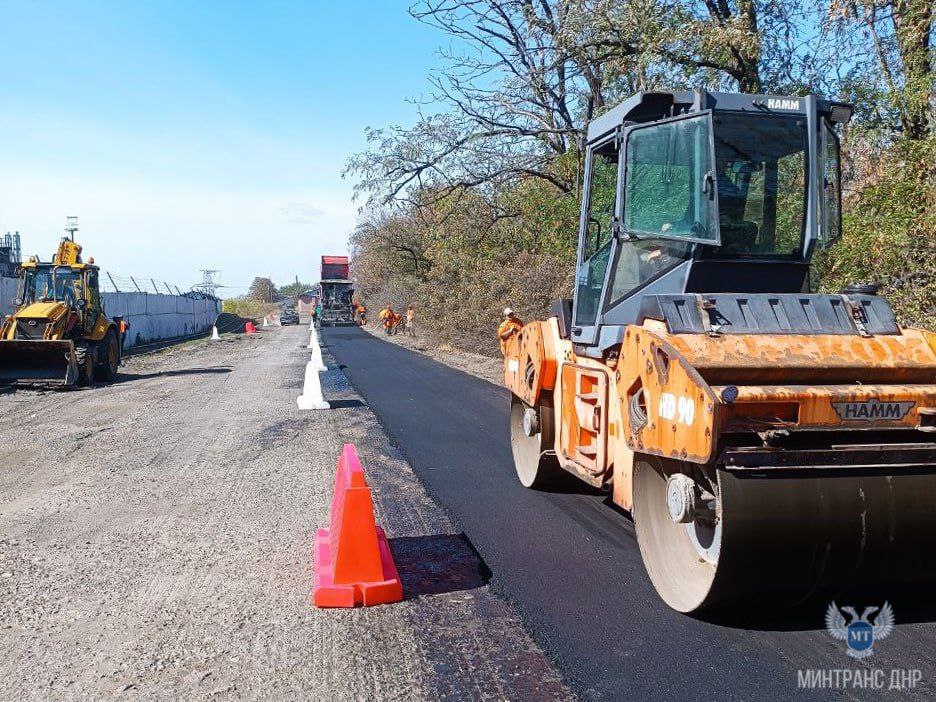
{"points": [[570, 564]]}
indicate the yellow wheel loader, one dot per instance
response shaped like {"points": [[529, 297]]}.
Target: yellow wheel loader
{"points": [[767, 440], [59, 334]]}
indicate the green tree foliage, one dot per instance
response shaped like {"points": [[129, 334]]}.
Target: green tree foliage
{"points": [[890, 234], [247, 307], [262, 290], [476, 206], [894, 39], [293, 289]]}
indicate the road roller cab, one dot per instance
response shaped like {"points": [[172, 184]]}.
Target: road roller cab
{"points": [[764, 436]]}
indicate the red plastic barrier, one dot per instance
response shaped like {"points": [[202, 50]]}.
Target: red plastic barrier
{"points": [[250, 328], [353, 563]]}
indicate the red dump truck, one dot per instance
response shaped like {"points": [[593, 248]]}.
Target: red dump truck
{"points": [[336, 291], [335, 268]]}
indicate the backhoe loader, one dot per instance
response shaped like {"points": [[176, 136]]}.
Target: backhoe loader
{"points": [[767, 440], [59, 334]]}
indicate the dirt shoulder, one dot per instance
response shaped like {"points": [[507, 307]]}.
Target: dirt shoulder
{"points": [[156, 544], [484, 367]]}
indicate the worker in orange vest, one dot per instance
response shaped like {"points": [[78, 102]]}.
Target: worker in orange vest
{"points": [[386, 317], [123, 326], [510, 326], [361, 314]]}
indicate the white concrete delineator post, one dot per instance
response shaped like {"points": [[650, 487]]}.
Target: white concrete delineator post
{"points": [[316, 352], [311, 397], [214, 334]]}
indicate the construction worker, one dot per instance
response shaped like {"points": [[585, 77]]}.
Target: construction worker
{"points": [[361, 314], [387, 317], [411, 321], [510, 326], [123, 326], [317, 314]]}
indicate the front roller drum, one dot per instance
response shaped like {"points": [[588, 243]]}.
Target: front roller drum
{"points": [[711, 536], [532, 444]]}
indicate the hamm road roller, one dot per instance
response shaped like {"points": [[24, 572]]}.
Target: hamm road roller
{"points": [[767, 440]]}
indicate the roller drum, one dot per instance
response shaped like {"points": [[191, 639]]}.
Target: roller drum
{"points": [[788, 535]]}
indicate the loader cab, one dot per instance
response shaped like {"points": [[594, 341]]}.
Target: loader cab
{"points": [[701, 193], [74, 285]]}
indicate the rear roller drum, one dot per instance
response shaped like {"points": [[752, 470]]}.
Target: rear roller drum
{"points": [[710, 536], [531, 442]]}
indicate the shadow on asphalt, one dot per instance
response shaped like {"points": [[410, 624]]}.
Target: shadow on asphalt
{"points": [[911, 606], [436, 564], [345, 404], [564, 483], [123, 377], [772, 612]]}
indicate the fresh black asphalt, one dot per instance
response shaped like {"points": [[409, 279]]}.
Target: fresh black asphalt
{"points": [[570, 564]]}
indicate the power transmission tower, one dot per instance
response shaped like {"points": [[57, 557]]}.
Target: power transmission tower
{"points": [[208, 284]]}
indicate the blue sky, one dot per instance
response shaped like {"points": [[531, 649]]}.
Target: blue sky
{"points": [[188, 135]]}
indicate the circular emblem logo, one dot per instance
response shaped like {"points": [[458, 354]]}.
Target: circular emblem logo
{"points": [[860, 636]]}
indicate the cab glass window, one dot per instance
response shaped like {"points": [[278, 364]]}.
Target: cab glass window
{"points": [[52, 284], [68, 288], [596, 242], [641, 261], [38, 286], [762, 176], [94, 298], [588, 286], [669, 181], [602, 187], [831, 185]]}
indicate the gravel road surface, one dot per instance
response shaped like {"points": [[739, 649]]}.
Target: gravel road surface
{"points": [[569, 562], [155, 543]]}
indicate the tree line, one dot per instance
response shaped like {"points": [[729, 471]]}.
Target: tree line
{"points": [[261, 296], [475, 205]]}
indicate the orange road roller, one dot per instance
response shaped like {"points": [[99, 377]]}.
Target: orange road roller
{"points": [[767, 440]]}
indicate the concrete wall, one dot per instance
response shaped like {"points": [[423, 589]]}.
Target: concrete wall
{"points": [[157, 317], [151, 317], [7, 293]]}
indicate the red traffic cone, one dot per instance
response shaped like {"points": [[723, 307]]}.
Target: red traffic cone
{"points": [[250, 328], [353, 563]]}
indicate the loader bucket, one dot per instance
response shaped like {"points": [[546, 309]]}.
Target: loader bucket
{"points": [[38, 361]]}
